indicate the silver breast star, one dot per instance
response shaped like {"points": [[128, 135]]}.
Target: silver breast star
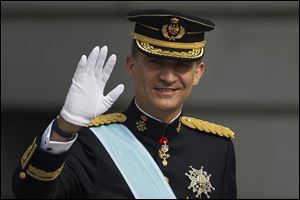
{"points": [[200, 182]]}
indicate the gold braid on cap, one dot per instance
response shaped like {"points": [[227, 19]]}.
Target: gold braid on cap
{"points": [[167, 44], [151, 45], [207, 127], [107, 119], [194, 53]]}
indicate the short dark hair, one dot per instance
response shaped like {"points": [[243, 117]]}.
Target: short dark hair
{"points": [[134, 49]]}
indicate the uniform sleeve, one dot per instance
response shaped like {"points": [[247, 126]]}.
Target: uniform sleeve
{"points": [[41, 174], [37, 173], [229, 186]]}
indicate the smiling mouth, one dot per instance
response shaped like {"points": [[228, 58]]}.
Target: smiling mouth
{"points": [[166, 92], [166, 89]]}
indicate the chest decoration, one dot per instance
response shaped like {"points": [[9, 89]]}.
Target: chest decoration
{"points": [[162, 152], [200, 182], [141, 124]]}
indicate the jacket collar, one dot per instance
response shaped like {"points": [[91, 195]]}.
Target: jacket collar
{"points": [[141, 123]]}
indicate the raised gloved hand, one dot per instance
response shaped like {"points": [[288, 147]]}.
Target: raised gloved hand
{"points": [[85, 99]]}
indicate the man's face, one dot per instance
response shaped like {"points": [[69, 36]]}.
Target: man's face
{"points": [[162, 85]]}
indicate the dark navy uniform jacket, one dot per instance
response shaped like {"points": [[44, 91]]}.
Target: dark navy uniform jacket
{"points": [[87, 171]]}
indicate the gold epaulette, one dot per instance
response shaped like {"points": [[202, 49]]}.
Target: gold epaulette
{"points": [[207, 127], [107, 119]]}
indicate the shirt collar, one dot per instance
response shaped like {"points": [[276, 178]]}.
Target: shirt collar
{"points": [[147, 114]]}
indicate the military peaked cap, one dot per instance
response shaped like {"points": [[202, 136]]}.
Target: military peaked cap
{"points": [[167, 33]]}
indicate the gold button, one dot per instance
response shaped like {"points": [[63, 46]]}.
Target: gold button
{"points": [[22, 175]]}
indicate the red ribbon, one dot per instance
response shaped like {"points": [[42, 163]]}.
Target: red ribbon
{"points": [[163, 140]]}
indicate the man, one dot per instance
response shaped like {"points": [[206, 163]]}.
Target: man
{"points": [[149, 151]]}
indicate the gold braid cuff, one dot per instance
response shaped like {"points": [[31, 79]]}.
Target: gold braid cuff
{"points": [[33, 171], [42, 175], [28, 153]]}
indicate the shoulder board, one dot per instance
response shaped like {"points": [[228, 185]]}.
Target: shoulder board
{"points": [[207, 127], [107, 119]]}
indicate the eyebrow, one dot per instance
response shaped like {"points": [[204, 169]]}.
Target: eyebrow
{"points": [[174, 62], [158, 59]]}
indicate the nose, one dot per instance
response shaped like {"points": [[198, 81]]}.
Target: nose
{"points": [[168, 74]]}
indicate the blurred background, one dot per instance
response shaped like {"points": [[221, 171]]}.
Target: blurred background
{"points": [[251, 82]]}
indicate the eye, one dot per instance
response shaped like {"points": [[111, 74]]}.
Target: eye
{"points": [[184, 64], [155, 61]]}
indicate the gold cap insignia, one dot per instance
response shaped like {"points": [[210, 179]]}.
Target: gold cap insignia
{"points": [[200, 182], [173, 30]]}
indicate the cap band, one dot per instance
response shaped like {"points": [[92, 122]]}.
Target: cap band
{"points": [[193, 54], [174, 45]]}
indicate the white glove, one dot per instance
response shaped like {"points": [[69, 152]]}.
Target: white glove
{"points": [[85, 99]]}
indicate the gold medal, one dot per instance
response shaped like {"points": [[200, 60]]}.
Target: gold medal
{"points": [[162, 152]]}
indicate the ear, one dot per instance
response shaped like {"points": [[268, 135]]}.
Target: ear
{"points": [[199, 70], [130, 63]]}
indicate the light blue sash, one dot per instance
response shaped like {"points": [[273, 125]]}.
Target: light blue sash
{"points": [[138, 168]]}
